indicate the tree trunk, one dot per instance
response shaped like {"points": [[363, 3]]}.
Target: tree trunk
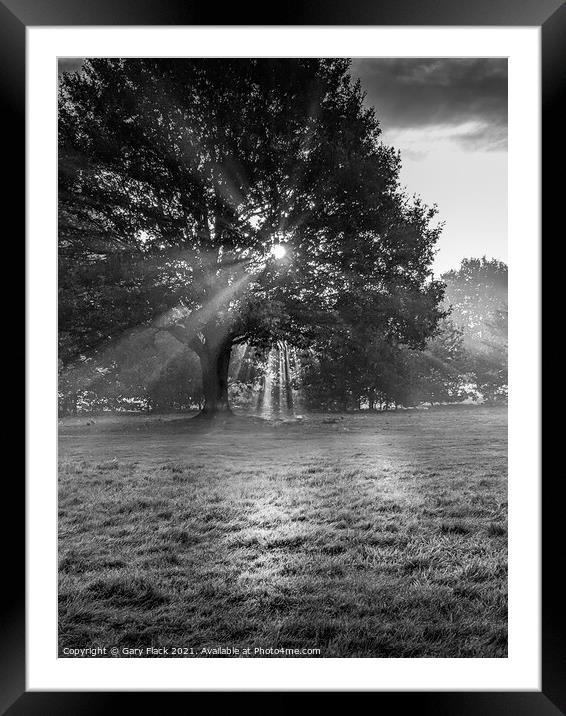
{"points": [[288, 386], [214, 366], [371, 400]]}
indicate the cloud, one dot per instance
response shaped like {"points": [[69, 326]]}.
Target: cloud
{"points": [[417, 142], [69, 64], [466, 97]]}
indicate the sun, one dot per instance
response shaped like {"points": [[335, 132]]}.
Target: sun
{"points": [[278, 251]]}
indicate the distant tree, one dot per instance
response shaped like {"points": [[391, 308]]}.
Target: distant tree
{"points": [[489, 366], [331, 379], [178, 176], [441, 373], [476, 292], [381, 373]]}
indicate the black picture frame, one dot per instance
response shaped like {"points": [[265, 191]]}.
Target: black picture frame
{"points": [[15, 16]]}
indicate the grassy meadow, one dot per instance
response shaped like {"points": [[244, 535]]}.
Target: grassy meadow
{"points": [[367, 535]]}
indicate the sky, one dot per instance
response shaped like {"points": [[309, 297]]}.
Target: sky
{"points": [[448, 117]]}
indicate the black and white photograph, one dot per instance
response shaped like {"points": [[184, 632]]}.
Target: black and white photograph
{"points": [[282, 357]]}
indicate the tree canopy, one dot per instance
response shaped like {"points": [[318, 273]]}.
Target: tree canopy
{"points": [[177, 177]]}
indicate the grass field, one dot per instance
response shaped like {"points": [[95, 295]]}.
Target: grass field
{"points": [[364, 535]]}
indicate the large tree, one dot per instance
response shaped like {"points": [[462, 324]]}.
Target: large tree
{"points": [[177, 178]]}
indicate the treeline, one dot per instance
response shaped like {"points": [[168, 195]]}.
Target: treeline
{"points": [[466, 358]]}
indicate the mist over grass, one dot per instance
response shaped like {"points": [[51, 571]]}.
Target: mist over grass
{"points": [[365, 536]]}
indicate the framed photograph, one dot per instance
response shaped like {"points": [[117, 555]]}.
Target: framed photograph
{"points": [[283, 353]]}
